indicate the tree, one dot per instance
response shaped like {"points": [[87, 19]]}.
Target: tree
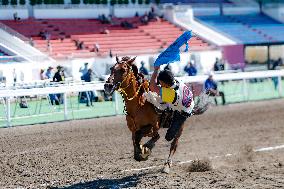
{"points": [[14, 2], [22, 2], [5, 2], [75, 1], [104, 2], [39, 2], [157, 2], [140, 2], [126, 2], [97, 1], [147, 2], [133, 1], [113, 2], [32, 2]]}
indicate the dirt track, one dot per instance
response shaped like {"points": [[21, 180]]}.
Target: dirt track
{"points": [[98, 153]]}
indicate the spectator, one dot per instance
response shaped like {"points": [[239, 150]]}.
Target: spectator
{"points": [[41, 34], [127, 25], [31, 41], [49, 48], [190, 69], [144, 19], [142, 69], [217, 65], [42, 75], [52, 97], [77, 42], [16, 18], [84, 70], [23, 102], [15, 76], [211, 89], [110, 53], [105, 31], [136, 14], [48, 72], [47, 35], [59, 77], [87, 77], [81, 45], [276, 63], [96, 47], [151, 15], [222, 65]]}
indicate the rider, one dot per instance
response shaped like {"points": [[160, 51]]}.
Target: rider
{"points": [[177, 97]]}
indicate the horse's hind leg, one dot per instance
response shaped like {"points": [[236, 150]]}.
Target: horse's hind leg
{"points": [[173, 149]]}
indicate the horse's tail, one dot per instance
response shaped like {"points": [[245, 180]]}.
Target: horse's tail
{"points": [[202, 104]]}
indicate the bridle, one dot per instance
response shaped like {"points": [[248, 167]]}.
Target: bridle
{"points": [[130, 76]]}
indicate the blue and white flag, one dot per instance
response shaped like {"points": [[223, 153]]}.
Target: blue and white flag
{"points": [[172, 53]]}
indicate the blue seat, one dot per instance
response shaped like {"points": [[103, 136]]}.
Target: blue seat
{"points": [[250, 29]]}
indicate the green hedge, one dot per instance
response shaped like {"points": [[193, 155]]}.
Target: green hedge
{"points": [[133, 1], [113, 2], [75, 1], [39, 2], [157, 1], [140, 2], [22, 2], [104, 2], [32, 2], [14, 2]]}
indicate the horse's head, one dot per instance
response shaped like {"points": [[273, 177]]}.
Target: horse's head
{"points": [[121, 74]]}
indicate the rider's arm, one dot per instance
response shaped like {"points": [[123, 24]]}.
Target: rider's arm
{"points": [[153, 82]]}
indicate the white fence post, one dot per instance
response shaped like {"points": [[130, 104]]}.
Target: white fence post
{"points": [[245, 90], [279, 86], [8, 113], [116, 102], [65, 106]]}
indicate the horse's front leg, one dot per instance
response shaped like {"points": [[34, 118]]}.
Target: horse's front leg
{"points": [[136, 138], [174, 144]]}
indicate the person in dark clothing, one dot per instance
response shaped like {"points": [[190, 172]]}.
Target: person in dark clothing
{"points": [[89, 94], [211, 88], [143, 70], [59, 77], [217, 66], [190, 69]]}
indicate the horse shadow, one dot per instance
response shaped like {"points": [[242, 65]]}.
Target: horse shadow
{"points": [[125, 182]]}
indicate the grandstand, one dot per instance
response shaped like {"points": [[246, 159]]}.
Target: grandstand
{"points": [[195, 1], [255, 28], [150, 38]]}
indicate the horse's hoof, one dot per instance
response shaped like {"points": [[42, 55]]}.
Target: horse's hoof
{"points": [[166, 169]]}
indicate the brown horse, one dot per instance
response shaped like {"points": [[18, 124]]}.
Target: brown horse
{"points": [[142, 118]]}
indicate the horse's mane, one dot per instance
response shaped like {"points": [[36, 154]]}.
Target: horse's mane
{"points": [[140, 79], [138, 76]]}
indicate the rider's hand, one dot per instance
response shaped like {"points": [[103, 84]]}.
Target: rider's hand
{"points": [[156, 68]]}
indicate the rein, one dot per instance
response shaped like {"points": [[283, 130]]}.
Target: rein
{"points": [[122, 89]]}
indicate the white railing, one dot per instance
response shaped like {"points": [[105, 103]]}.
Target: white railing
{"points": [[13, 32], [19, 44], [8, 93]]}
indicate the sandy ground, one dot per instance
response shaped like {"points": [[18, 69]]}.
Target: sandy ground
{"points": [[97, 153]]}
